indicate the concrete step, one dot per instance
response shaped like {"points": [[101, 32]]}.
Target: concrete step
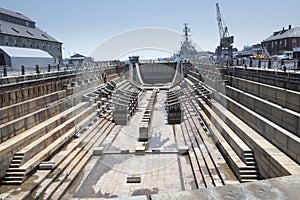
{"points": [[71, 155], [12, 165], [18, 157], [26, 137], [236, 143], [19, 154], [15, 170], [81, 159], [38, 158], [16, 162], [14, 178], [15, 174], [248, 176], [248, 172], [249, 159], [247, 168], [248, 155], [12, 182], [248, 180], [250, 163]]}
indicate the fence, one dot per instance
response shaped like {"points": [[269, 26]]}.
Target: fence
{"points": [[274, 64]]}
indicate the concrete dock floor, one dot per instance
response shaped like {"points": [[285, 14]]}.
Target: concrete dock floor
{"points": [[159, 169]]}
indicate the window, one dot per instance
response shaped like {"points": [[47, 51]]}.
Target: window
{"points": [[280, 42], [29, 33], [294, 42], [275, 43], [44, 36], [272, 44], [285, 42], [15, 30]]}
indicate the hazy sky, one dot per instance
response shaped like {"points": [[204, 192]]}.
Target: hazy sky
{"points": [[84, 24]]}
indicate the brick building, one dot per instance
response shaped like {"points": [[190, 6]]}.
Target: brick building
{"points": [[282, 40], [17, 30]]}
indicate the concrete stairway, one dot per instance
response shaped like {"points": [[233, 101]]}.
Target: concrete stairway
{"points": [[244, 167], [202, 154], [28, 158], [249, 173], [12, 145], [74, 148], [43, 123], [52, 184], [282, 97], [260, 133], [284, 117], [53, 133]]}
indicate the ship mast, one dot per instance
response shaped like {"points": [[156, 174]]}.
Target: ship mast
{"points": [[186, 31]]}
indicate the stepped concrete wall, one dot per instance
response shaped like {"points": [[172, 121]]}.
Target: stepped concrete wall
{"points": [[270, 112]]}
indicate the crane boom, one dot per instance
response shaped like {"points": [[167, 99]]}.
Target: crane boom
{"points": [[219, 19], [224, 50], [225, 39]]}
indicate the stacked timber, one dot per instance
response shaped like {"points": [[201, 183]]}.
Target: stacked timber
{"points": [[125, 104], [174, 111], [145, 125]]}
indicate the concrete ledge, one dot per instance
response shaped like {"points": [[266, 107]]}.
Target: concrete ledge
{"points": [[265, 152], [30, 120], [284, 117], [286, 98], [11, 146], [46, 152], [23, 108], [237, 144], [35, 147], [282, 139], [24, 94]]}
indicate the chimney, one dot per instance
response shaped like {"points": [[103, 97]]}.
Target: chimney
{"points": [[290, 26]]}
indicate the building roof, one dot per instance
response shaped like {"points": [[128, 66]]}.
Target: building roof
{"points": [[284, 33], [24, 31], [77, 55], [25, 52], [15, 14]]}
